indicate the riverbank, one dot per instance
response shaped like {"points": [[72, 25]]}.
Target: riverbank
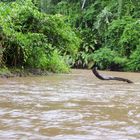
{"points": [[17, 72]]}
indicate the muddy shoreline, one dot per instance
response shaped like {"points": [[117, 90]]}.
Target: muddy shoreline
{"points": [[14, 72]]}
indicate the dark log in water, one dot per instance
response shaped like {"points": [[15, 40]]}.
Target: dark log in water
{"points": [[104, 77]]}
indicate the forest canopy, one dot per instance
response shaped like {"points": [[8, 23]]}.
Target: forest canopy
{"points": [[58, 34]]}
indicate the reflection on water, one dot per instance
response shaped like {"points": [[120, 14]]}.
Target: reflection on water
{"points": [[74, 106]]}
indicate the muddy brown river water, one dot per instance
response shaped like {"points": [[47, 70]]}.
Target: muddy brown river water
{"points": [[75, 106]]}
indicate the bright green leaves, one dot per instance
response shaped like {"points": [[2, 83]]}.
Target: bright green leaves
{"points": [[123, 37], [31, 38], [106, 58]]}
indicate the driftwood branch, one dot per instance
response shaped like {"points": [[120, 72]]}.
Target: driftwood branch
{"points": [[102, 77]]}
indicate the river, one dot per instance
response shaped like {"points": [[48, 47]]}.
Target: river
{"points": [[75, 106]]}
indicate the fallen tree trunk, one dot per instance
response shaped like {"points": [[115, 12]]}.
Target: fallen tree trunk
{"points": [[102, 77]]}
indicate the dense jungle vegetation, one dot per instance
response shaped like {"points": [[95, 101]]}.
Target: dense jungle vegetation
{"points": [[58, 34]]}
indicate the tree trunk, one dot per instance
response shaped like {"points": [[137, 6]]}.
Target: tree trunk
{"points": [[83, 4]]}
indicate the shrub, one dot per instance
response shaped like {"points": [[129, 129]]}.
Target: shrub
{"points": [[134, 61], [57, 63], [123, 35], [29, 38], [105, 58]]}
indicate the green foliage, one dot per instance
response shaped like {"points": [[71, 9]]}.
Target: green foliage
{"points": [[37, 56], [29, 37], [111, 27], [57, 63], [134, 61], [4, 71], [106, 58], [109, 33], [124, 34]]}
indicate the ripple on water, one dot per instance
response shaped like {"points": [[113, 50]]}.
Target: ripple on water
{"points": [[69, 107]]}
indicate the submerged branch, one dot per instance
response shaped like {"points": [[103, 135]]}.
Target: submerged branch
{"points": [[102, 77]]}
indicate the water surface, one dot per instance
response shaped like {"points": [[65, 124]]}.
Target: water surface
{"points": [[74, 106]]}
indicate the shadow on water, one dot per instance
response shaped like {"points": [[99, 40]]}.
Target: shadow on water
{"points": [[74, 106]]}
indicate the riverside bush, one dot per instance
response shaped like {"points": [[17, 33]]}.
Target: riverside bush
{"points": [[29, 37], [106, 58]]}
